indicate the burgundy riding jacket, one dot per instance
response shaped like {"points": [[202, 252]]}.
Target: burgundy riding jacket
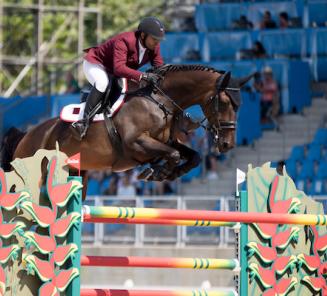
{"points": [[120, 56]]}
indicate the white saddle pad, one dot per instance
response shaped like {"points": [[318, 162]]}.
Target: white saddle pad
{"points": [[74, 112]]}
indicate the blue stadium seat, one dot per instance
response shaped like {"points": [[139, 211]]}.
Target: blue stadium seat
{"points": [[322, 170], [215, 17], [286, 43], [317, 12], [93, 187], [307, 170], [320, 68], [291, 168], [320, 42], [225, 45], [314, 152], [105, 184], [297, 153], [177, 46], [248, 127], [320, 137]]}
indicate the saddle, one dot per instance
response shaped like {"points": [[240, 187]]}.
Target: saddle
{"points": [[113, 98]]}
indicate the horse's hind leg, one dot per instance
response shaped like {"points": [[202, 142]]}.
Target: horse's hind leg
{"points": [[149, 148]]}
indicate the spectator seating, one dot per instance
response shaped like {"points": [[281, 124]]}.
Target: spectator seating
{"points": [[225, 45], [284, 43], [220, 16], [93, 187], [178, 46], [215, 17], [320, 137], [312, 158], [297, 153], [317, 13], [248, 128]]}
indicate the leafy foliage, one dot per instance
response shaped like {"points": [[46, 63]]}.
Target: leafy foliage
{"points": [[20, 34]]}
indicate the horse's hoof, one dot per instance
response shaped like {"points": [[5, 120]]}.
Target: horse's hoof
{"points": [[146, 174]]}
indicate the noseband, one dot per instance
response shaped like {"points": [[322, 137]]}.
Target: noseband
{"points": [[221, 125]]}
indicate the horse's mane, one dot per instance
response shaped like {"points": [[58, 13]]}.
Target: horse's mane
{"points": [[163, 70]]}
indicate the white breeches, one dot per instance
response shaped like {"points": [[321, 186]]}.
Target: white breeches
{"points": [[96, 75]]}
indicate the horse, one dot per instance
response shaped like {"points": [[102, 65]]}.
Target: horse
{"points": [[144, 124]]}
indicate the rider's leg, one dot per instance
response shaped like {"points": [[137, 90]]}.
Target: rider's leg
{"points": [[98, 77]]}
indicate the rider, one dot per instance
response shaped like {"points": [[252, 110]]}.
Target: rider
{"points": [[121, 56]]}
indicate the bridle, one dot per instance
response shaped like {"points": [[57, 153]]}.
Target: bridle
{"points": [[220, 125], [214, 128]]}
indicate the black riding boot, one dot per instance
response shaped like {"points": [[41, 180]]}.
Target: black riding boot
{"points": [[92, 105]]}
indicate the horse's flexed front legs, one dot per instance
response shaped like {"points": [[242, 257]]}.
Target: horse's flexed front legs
{"points": [[192, 160], [146, 148]]}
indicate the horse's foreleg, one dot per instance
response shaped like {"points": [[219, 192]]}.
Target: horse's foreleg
{"points": [[192, 157], [149, 148]]}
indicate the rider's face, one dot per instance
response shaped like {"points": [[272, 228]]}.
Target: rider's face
{"points": [[151, 42]]}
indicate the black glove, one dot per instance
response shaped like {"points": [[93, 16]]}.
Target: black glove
{"points": [[150, 78]]}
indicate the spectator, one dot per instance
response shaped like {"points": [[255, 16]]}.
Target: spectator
{"points": [[258, 50], [242, 23], [267, 22], [283, 20], [125, 186], [269, 95]]}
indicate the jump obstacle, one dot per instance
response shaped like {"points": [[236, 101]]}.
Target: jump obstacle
{"points": [[275, 256]]}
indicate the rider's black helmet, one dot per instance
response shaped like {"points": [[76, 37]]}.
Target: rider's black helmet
{"points": [[152, 26]]}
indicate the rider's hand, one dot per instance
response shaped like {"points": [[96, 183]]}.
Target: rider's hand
{"points": [[151, 78]]}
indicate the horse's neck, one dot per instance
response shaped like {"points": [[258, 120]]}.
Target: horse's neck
{"points": [[190, 87]]}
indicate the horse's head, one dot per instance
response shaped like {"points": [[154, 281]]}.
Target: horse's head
{"points": [[220, 110]]}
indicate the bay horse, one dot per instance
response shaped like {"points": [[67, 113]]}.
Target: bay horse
{"points": [[145, 124]]}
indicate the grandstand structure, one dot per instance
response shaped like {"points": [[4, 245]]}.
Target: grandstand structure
{"points": [[297, 57], [202, 33], [40, 47]]}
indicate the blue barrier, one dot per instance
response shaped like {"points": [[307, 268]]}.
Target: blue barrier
{"points": [[291, 42], [178, 46], [220, 16], [248, 127], [317, 12], [225, 45]]}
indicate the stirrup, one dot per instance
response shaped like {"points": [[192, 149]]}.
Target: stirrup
{"points": [[81, 126], [108, 112]]}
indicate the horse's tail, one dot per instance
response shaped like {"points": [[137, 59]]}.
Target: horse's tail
{"points": [[9, 144]]}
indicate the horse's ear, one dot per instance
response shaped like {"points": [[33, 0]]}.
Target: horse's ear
{"points": [[241, 81], [223, 80]]}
